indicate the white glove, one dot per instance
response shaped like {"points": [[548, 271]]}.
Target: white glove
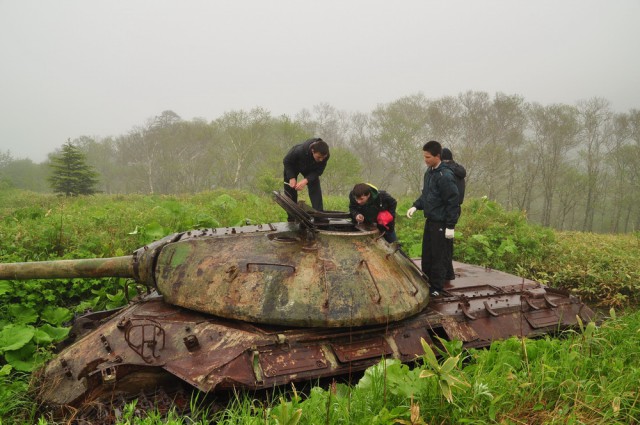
{"points": [[448, 233], [411, 211]]}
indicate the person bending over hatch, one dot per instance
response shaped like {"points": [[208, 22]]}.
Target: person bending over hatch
{"points": [[308, 158], [369, 205]]}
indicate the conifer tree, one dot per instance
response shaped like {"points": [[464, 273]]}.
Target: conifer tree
{"points": [[71, 174]]}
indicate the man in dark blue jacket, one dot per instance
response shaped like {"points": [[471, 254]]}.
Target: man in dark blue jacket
{"points": [[308, 158], [439, 201]]}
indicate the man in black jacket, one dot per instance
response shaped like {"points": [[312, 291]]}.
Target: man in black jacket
{"points": [[439, 201], [308, 158], [368, 205], [459, 172]]}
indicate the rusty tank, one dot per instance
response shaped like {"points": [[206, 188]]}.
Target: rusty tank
{"points": [[264, 305]]}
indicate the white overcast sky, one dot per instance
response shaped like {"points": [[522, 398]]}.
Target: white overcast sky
{"points": [[99, 68]]}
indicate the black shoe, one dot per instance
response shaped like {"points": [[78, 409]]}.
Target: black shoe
{"points": [[435, 293]]}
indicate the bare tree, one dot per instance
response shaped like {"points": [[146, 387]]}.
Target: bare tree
{"points": [[555, 128], [475, 139], [569, 189], [401, 130], [375, 169], [245, 135], [444, 121], [504, 151], [526, 166], [326, 122], [595, 134]]}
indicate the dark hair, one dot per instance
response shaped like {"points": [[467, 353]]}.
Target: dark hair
{"points": [[361, 189], [433, 147], [320, 146], [446, 155]]}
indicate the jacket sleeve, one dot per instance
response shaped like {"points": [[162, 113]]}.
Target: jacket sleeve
{"points": [[353, 207], [291, 161], [449, 191], [317, 169]]}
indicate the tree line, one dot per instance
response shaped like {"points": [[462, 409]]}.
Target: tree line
{"points": [[571, 167]]}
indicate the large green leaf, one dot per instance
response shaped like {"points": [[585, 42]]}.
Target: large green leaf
{"points": [[5, 370], [22, 314], [5, 287], [14, 337], [374, 372], [154, 231], [56, 334], [225, 202], [40, 337], [56, 315], [25, 359]]}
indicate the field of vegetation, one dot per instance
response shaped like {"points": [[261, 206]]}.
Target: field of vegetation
{"points": [[589, 375]]}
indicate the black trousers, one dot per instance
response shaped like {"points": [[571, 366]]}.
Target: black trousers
{"points": [[315, 194], [435, 257], [451, 275]]}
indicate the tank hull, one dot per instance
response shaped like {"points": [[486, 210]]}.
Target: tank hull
{"points": [[138, 346]]}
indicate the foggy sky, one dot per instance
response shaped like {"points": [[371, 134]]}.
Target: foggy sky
{"points": [[98, 68]]}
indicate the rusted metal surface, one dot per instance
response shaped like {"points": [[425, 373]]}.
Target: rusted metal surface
{"points": [[151, 338], [495, 304]]}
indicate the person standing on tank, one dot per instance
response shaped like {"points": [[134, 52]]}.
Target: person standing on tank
{"points": [[439, 202], [308, 158], [459, 172]]}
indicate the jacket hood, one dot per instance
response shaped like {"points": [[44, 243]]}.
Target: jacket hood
{"points": [[458, 170], [374, 192]]}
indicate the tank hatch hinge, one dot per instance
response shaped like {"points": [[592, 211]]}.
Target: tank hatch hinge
{"points": [[108, 371], [65, 367], [108, 375], [191, 342], [548, 300], [105, 343], [530, 303], [490, 310], [145, 337], [464, 306]]}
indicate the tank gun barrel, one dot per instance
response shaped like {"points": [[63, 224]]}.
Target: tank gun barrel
{"points": [[93, 267]]}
